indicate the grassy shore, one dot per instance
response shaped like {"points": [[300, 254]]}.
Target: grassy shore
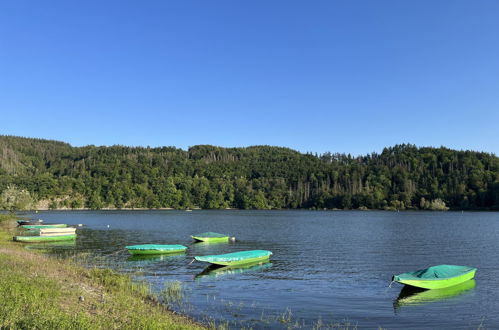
{"points": [[41, 292]]}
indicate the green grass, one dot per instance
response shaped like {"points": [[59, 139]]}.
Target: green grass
{"points": [[40, 292], [172, 293], [7, 217]]}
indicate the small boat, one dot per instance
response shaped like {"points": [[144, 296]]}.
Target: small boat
{"points": [[53, 238], [29, 222], [48, 225], [436, 277], [236, 258], [57, 231], [155, 249], [211, 237], [53, 231]]}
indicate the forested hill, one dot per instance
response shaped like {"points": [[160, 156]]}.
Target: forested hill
{"points": [[262, 177]]}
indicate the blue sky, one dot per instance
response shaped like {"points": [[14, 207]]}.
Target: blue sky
{"points": [[340, 76]]}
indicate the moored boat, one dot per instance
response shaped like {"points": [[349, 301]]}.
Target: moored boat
{"points": [[155, 249], [47, 225], [56, 231], [50, 231], [236, 258], [436, 277], [211, 237], [53, 238], [29, 222]]}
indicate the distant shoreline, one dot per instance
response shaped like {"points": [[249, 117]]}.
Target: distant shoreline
{"points": [[233, 209]]}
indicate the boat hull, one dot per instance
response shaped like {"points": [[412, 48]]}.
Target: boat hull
{"points": [[29, 239], [59, 225], [150, 252], [242, 262], [29, 222], [211, 239], [237, 258]]}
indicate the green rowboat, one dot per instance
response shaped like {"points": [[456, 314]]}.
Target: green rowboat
{"points": [[53, 225], [436, 277], [211, 237], [236, 258], [29, 239], [29, 222], [155, 249]]}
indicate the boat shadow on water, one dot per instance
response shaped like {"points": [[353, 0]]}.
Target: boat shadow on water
{"points": [[215, 271], [412, 296]]}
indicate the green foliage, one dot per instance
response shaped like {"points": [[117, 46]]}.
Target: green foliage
{"points": [[434, 205], [172, 293], [7, 217], [14, 199], [259, 177]]}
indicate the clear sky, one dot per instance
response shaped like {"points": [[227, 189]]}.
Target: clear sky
{"points": [[340, 76]]}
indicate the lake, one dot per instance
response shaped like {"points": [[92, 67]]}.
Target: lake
{"points": [[327, 267]]}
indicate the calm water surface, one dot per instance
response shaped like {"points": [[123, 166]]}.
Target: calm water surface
{"points": [[327, 266]]}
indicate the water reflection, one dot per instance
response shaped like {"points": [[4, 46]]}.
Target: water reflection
{"points": [[149, 258], [411, 296], [214, 271]]}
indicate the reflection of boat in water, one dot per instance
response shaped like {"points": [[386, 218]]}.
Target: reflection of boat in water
{"points": [[216, 271], [146, 258], [410, 296]]}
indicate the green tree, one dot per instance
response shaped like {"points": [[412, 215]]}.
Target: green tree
{"points": [[14, 199]]}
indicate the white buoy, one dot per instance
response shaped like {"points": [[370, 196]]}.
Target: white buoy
{"points": [[107, 226]]}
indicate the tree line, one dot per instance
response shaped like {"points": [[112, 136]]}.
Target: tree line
{"points": [[259, 177]]}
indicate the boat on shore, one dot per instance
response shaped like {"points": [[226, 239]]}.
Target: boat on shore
{"points": [[148, 249], [29, 222], [210, 237], [51, 238], [47, 225], [53, 231], [237, 258], [436, 277]]}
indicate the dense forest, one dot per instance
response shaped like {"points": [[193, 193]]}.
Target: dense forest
{"points": [[44, 173]]}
